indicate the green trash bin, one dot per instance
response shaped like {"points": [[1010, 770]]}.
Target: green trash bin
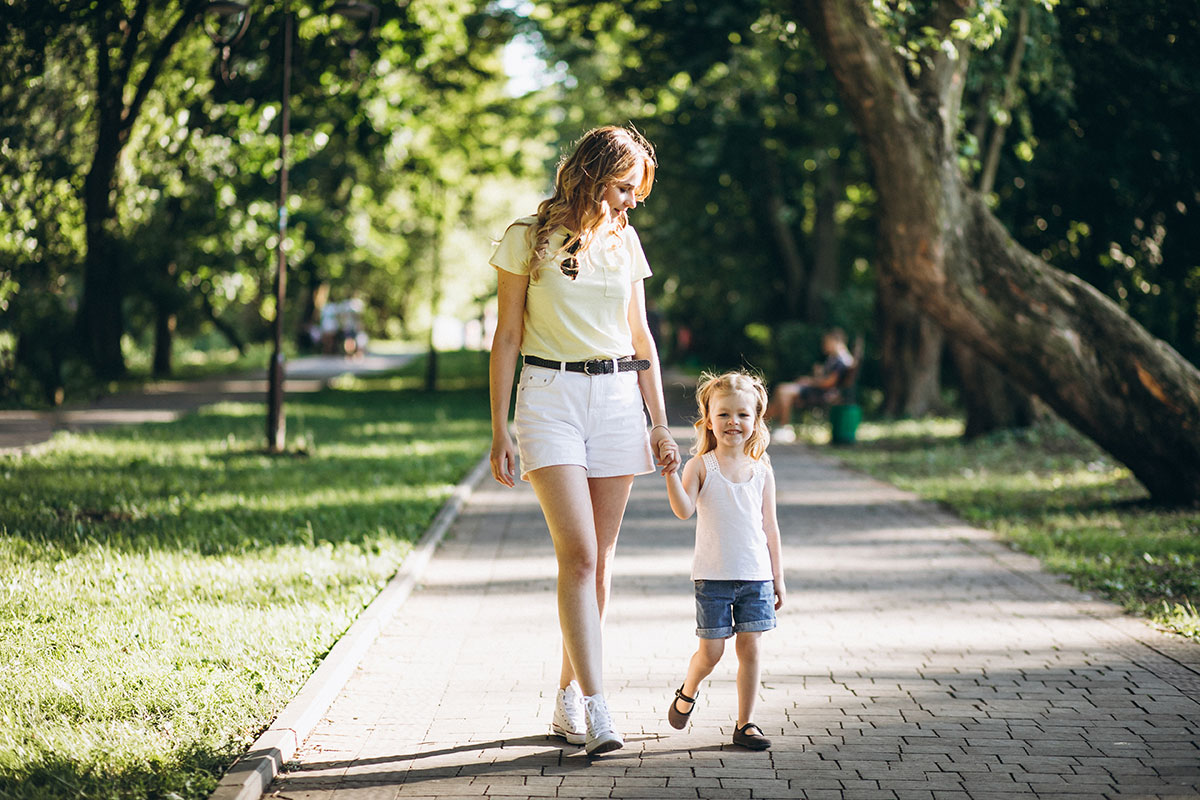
{"points": [[843, 421]]}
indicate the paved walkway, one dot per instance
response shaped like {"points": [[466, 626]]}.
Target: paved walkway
{"points": [[915, 658], [162, 401]]}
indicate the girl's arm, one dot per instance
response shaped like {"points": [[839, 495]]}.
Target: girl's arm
{"points": [[506, 346], [682, 492], [771, 527], [662, 443]]}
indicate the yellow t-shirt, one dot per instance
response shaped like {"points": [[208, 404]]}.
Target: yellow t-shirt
{"points": [[574, 320]]}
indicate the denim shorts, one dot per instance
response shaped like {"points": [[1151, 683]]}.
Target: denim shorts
{"points": [[596, 422], [724, 608]]}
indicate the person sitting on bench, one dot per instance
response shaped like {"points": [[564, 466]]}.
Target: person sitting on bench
{"points": [[822, 388]]}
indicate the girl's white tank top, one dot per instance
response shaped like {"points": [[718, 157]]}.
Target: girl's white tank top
{"points": [[731, 544]]}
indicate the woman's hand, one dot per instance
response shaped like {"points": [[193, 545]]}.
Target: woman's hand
{"points": [[503, 458], [665, 449]]}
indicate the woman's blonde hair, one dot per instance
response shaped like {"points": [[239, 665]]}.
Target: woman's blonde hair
{"points": [[600, 158], [732, 383]]}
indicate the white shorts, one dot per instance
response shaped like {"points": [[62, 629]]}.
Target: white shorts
{"points": [[595, 421]]}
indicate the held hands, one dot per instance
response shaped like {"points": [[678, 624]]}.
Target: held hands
{"points": [[665, 449]]}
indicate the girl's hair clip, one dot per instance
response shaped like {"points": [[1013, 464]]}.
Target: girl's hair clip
{"points": [[570, 264]]}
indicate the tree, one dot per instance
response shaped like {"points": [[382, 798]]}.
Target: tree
{"points": [[1052, 333], [1122, 97], [130, 48], [41, 216], [758, 225], [180, 239]]}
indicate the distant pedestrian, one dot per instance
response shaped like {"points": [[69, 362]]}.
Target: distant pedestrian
{"points": [[730, 486], [820, 388], [571, 301]]}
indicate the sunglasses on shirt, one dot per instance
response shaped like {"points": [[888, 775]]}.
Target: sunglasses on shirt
{"points": [[570, 264]]}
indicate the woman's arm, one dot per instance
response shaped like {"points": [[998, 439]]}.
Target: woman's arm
{"points": [[506, 346], [682, 492], [662, 443], [771, 527]]}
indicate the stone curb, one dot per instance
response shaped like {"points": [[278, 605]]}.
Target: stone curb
{"points": [[253, 772]]}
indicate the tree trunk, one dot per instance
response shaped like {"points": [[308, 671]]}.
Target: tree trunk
{"points": [[786, 245], [1050, 332], [118, 39], [823, 279], [992, 401], [101, 319], [226, 330], [910, 355], [164, 336]]}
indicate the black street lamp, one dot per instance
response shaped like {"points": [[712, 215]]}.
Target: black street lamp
{"points": [[234, 18]]}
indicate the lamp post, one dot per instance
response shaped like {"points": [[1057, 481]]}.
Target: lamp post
{"points": [[235, 18]]}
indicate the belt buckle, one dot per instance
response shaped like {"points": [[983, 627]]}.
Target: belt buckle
{"points": [[599, 362]]}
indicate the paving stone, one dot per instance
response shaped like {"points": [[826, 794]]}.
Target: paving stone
{"points": [[915, 659]]}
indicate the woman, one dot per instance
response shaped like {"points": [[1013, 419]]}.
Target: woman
{"points": [[571, 301]]}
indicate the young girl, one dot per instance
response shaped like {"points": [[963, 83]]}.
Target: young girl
{"points": [[571, 302], [739, 581]]}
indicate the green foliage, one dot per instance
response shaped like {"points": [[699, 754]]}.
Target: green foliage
{"points": [[753, 151], [169, 587], [1109, 185], [1055, 495], [421, 104]]}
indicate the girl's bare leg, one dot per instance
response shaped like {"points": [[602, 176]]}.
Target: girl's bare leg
{"points": [[704, 660], [748, 676], [609, 497]]}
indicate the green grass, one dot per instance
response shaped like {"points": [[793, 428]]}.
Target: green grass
{"points": [[166, 589], [1054, 494]]}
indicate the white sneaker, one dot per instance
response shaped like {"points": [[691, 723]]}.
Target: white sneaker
{"points": [[601, 738], [784, 435], [569, 716]]}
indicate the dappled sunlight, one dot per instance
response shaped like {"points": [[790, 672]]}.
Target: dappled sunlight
{"points": [[931, 427], [844, 493], [315, 498]]}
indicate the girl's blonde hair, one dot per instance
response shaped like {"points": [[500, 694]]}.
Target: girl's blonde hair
{"points": [[597, 161], [732, 383]]}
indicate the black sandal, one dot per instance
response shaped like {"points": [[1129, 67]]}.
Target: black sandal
{"points": [[752, 741], [677, 718]]}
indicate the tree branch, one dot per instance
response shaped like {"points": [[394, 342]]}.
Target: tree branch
{"points": [[186, 17], [1054, 334], [873, 87], [134, 26], [104, 30], [991, 161]]}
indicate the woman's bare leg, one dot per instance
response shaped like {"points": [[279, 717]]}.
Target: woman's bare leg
{"points": [[566, 503], [609, 497]]}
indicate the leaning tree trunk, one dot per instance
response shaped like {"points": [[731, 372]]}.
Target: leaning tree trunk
{"points": [[1053, 334], [992, 401]]}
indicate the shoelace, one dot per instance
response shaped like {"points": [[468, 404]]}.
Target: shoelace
{"points": [[598, 717]]}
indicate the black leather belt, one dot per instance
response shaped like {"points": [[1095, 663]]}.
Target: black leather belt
{"points": [[593, 366]]}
